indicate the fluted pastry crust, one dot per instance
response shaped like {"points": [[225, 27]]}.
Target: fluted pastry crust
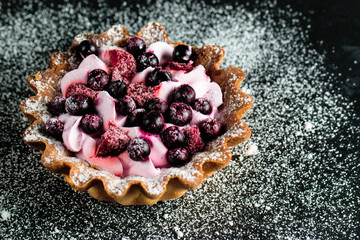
{"points": [[133, 190]]}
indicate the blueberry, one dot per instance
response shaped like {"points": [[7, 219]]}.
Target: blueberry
{"points": [[135, 117], [182, 54], [153, 122], [125, 105], [86, 48], [146, 60], [117, 88], [178, 157], [210, 129], [97, 79], [57, 106], [157, 76], [135, 46], [78, 104], [185, 94], [173, 137], [91, 123], [179, 114], [54, 127], [202, 105], [139, 149], [155, 104]]}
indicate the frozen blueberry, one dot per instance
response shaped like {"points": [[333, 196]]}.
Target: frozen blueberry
{"points": [[86, 48], [157, 76], [153, 122], [182, 53], [125, 105], [173, 137], [91, 123], [202, 105], [155, 104], [210, 129], [57, 106], [117, 88], [178, 157], [179, 114], [54, 127], [139, 149], [97, 79], [135, 46], [146, 60], [78, 104], [185, 94], [135, 117]]}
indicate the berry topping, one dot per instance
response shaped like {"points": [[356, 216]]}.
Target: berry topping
{"points": [[182, 54], [135, 46], [125, 105], [57, 106], [86, 48], [97, 79], [178, 157], [202, 105], [80, 89], [153, 122], [210, 129], [187, 67], [156, 104], [122, 63], [193, 142], [135, 117], [117, 88], [113, 142], [140, 93], [179, 114], [54, 127], [91, 123], [146, 60], [78, 104], [185, 94], [173, 137], [157, 76], [139, 149]]}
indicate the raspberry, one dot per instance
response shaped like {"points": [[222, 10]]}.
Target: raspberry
{"points": [[140, 93], [122, 63], [80, 89], [193, 141], [187, 67], [113, 142]]}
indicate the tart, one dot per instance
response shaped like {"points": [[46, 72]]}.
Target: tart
{"points": [[136, 119]]}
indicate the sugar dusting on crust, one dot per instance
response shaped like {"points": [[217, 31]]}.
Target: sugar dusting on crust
{"points": [[83, 173]]}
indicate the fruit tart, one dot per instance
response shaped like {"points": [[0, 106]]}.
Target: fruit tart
{"points": [[136, 119]]}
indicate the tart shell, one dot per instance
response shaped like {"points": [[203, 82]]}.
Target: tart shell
{"points": [[133, 190]]}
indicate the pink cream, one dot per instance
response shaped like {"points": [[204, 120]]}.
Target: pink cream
{"points": [[85, 146]]}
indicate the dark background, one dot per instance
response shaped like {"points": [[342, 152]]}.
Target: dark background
{"points": [[42, 206]]}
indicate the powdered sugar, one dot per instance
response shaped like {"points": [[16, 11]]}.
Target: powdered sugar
{"points": [[301, 189]]}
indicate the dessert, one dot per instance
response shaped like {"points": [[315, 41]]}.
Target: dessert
{"points": [[136, 119]]}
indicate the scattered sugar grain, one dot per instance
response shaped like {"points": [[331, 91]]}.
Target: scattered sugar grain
{"points": [[5, 215], [304, 197]]}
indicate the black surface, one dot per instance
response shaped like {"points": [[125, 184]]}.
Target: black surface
{"points": [[303, 199]]}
